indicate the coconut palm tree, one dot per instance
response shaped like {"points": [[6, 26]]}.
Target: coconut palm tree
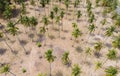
{"points": [[33, 21], [43, 3], [65, 58], [88, 51], [74, 25], [23, 8], [111, 71], [98, 46], [76, 33], [58, 22], [79, 14], [50, 57], [76, 70], [116, 42], [91, 28], [25, 20], [112, 55], [66, 2], [52, 16], [55, 9], [98, 65], [43, 31], [6, 69], [62, 16], [8, 12], [45, 21], [109, 31]]}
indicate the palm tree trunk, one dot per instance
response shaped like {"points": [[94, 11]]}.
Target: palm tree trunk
{"points": [[21, 45], [12, 73], [50, 70]]}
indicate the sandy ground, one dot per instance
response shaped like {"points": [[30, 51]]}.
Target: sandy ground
{"points": [[35, 61]]}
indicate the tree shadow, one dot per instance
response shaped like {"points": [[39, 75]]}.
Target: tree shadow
{"points": [[108, 45], [15, 13], [41, 38], [97, 54], [2, 51], [79, 49], [23, 42], [51, 37], [59, 73]]}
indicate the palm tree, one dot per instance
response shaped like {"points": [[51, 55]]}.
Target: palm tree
{"points": [[98, 65], [50, 57], [25, 20], [65, 58], [55, 9], [6, 69], [116, 42], [66, 2], [43, 3], [43, 31], [91, 28], [23, 8], [109, 31], [76, 3], [88, 51], [76, 33], [98, 46], [111, 71], [112, 55], [45, 21], [74, 25], [52, 16], [8, 12], [79, 14], [62, 16], [58, 22], [76, 70]]}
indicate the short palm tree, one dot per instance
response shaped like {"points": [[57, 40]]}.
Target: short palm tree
{"points": [[50, 57], [116, 42], [76, 70], [111, 71], [110, 30], [112, 55], [91, 28], [98, 46], [43, 3], [55, 9], [45, 21], [6, 69], [98, 65], [65, 58]]}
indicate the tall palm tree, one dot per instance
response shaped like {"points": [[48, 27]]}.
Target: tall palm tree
{"points": [[25, 20], [43, 31], [52, 16], [6, 69], [56, 9], [79, 14], [65, 58], [50, 57], [76, 33], [43, 3], [76, 3], [62, 16], [23, 8], [58, 22], [45, 21], [8, 12], [76, 70], [66, 2], [111, 71]]}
